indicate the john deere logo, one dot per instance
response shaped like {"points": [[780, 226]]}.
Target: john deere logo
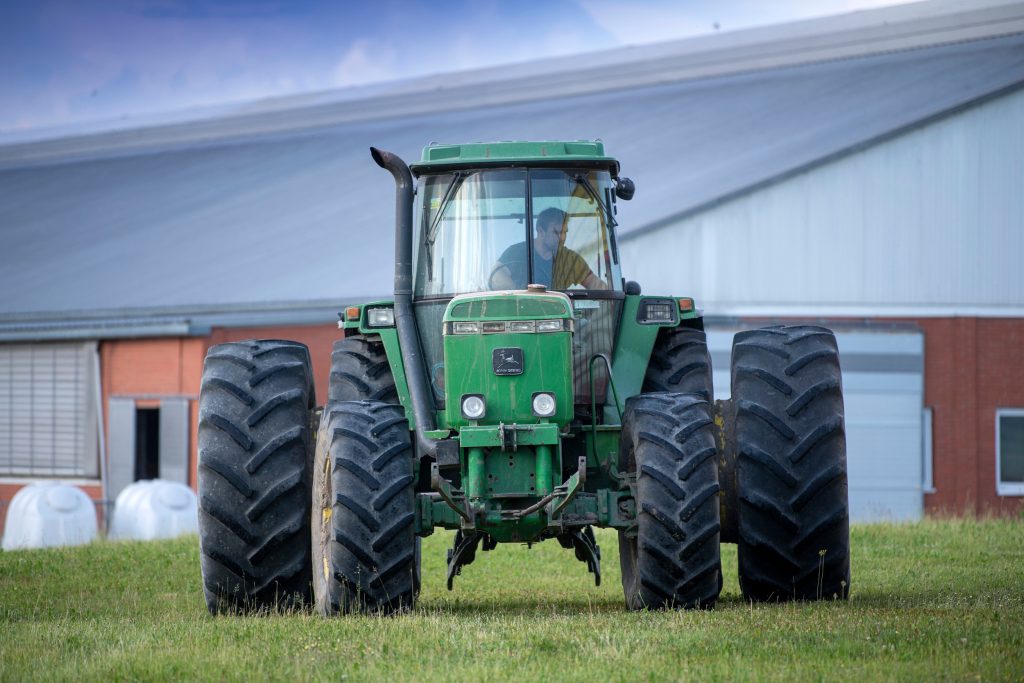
{"points": [[507, 361]]}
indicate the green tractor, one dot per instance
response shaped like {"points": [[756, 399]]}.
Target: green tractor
{"points": [[517, 389]]}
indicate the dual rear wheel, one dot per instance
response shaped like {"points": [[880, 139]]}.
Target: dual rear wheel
{"points": [[264, 545], [789, 438], [366, 556]]}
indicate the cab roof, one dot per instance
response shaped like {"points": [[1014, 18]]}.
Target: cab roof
{"points": [[587, 153]]}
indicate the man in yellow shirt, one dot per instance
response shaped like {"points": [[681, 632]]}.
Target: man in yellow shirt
{"points": [[554, 265]]}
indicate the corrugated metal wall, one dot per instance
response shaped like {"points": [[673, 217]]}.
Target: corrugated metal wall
{"points": [[931, 221]]}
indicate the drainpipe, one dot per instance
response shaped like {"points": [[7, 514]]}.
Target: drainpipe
{"points": [[101, 429]]}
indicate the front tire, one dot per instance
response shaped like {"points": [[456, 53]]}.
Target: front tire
{"points": [[794, 534], [365, 552], [255, 450], [674, 560]]}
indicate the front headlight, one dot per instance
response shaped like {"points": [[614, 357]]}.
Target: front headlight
{"points": [[380, 317], [544, 404], [473, 406], [658, 312]]}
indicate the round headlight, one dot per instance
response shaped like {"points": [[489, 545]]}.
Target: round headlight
{"points": [[473, 407], [543, 404]]}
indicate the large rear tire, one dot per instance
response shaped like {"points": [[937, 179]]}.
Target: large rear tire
{"points": [[365, 551], [680, 363], [360, 371], [674, 561], [793, 534], [255, 453]]}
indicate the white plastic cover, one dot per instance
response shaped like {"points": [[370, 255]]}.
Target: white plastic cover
{"points": [[148, 510], [45, 515]]}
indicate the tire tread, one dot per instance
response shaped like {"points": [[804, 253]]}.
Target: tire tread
{"points": [[372, 552], [793, 516], [674, 561], [254, 478]]}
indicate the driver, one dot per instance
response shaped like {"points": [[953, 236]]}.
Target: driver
{"points": [[554, 265]]}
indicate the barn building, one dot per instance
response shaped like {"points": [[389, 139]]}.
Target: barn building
{"points": [[863, 171]]}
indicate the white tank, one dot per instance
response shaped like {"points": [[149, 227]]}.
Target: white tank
{"points": [[148, 510], [49, 514]]}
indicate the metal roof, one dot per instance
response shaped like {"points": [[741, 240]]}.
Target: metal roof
{"points": [[303, 218], [855, 34]]}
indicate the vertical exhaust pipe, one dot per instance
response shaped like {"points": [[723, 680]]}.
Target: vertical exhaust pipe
{"points": [[405, 320]]}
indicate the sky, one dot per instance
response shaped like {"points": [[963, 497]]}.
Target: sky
{"points": [[69, 62]]}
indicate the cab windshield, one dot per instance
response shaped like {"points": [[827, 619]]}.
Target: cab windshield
{"points": [[506, 228]]}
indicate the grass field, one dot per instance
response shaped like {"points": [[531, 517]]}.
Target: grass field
{"points": [[930, 601]]}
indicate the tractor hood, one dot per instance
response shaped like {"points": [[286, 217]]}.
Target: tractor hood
{"points": [[506, 349]]}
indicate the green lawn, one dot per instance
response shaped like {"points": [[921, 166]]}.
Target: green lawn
{"points": [[930, 601]]}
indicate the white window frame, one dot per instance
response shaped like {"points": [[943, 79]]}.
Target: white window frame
{"points": [[1011, 488], [927, 464]]}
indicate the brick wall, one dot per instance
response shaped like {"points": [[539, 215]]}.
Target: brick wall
{"points": [[174, 367], [972, 367], [147, 369], [319, 338]]}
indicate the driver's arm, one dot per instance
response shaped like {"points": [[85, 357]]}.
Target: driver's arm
{"points": [[592, 281], [578, 272], [501, 277]]}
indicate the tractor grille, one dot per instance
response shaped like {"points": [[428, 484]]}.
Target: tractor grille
{"points": [[429, 317], [595, 333]]}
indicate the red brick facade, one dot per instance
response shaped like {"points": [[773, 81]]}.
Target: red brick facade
{"points": [[972, 367]]}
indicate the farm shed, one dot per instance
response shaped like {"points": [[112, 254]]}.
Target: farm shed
{"points": [[861, 171]]}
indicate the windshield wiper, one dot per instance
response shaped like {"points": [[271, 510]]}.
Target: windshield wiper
{"points": [[431, 235], [582, 180]]}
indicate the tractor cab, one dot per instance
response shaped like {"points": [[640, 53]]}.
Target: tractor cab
{"points": [[516, 217], [549, 200]]}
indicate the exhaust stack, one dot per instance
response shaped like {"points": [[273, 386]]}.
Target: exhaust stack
{"points": [[405, 320]]}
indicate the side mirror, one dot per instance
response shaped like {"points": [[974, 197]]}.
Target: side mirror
{"points": [[624, 188]]}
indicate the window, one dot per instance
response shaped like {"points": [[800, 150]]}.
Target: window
{"points": [[48, 410], [584, 230], [474, 228], [467, 223], [1010, 451]]}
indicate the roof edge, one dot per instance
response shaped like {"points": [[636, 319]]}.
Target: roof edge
{"points": [[169, 321], [856, 34]]}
